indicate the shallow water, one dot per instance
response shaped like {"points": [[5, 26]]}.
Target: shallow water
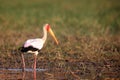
{"points": [[17, 74], [27, 69], [77, 70], [46, 74]]}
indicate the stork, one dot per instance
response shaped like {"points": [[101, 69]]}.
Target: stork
{"points": [[35, 45]]}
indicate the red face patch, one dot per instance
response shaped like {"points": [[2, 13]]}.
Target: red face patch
{"points": [[47, 27]]}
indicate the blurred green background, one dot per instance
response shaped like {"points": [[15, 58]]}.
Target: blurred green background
{"points": [[69, 17]]}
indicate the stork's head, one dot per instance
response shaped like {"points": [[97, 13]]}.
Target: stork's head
{"points": [[48, 28]]}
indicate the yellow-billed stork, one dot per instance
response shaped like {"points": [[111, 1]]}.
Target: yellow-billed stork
{"points": [[35, 45]]}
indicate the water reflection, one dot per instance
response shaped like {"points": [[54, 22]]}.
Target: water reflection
{"points": [[13, 74], [27, 69], [24, 75], [34, 74]]}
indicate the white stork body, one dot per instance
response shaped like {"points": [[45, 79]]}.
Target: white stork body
{"points": [[34, 45]]}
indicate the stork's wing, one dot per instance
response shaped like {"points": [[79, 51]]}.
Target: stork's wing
{"points": [[35, 43]]}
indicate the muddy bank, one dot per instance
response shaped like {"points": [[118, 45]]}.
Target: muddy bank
{"points": [[78, 58], [64, 69]]}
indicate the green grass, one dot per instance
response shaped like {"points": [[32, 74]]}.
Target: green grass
{"points": [[82, 17], [88, 32]]}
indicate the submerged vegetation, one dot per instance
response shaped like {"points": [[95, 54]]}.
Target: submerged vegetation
{"points": [[88, 32]]}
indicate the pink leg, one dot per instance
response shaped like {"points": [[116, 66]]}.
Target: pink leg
{"points": [[34, 74], [35, 56], [23, 62]]}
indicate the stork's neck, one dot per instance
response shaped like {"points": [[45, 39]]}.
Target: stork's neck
{"points": [[44, 34]]}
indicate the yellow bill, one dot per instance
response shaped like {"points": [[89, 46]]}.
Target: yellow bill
{"points": [[53, 35]]}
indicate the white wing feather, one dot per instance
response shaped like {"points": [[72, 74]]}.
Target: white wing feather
{"points": [[36, 43]]}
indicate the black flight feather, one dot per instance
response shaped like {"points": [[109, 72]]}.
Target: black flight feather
{"points": [[26, 49]]}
